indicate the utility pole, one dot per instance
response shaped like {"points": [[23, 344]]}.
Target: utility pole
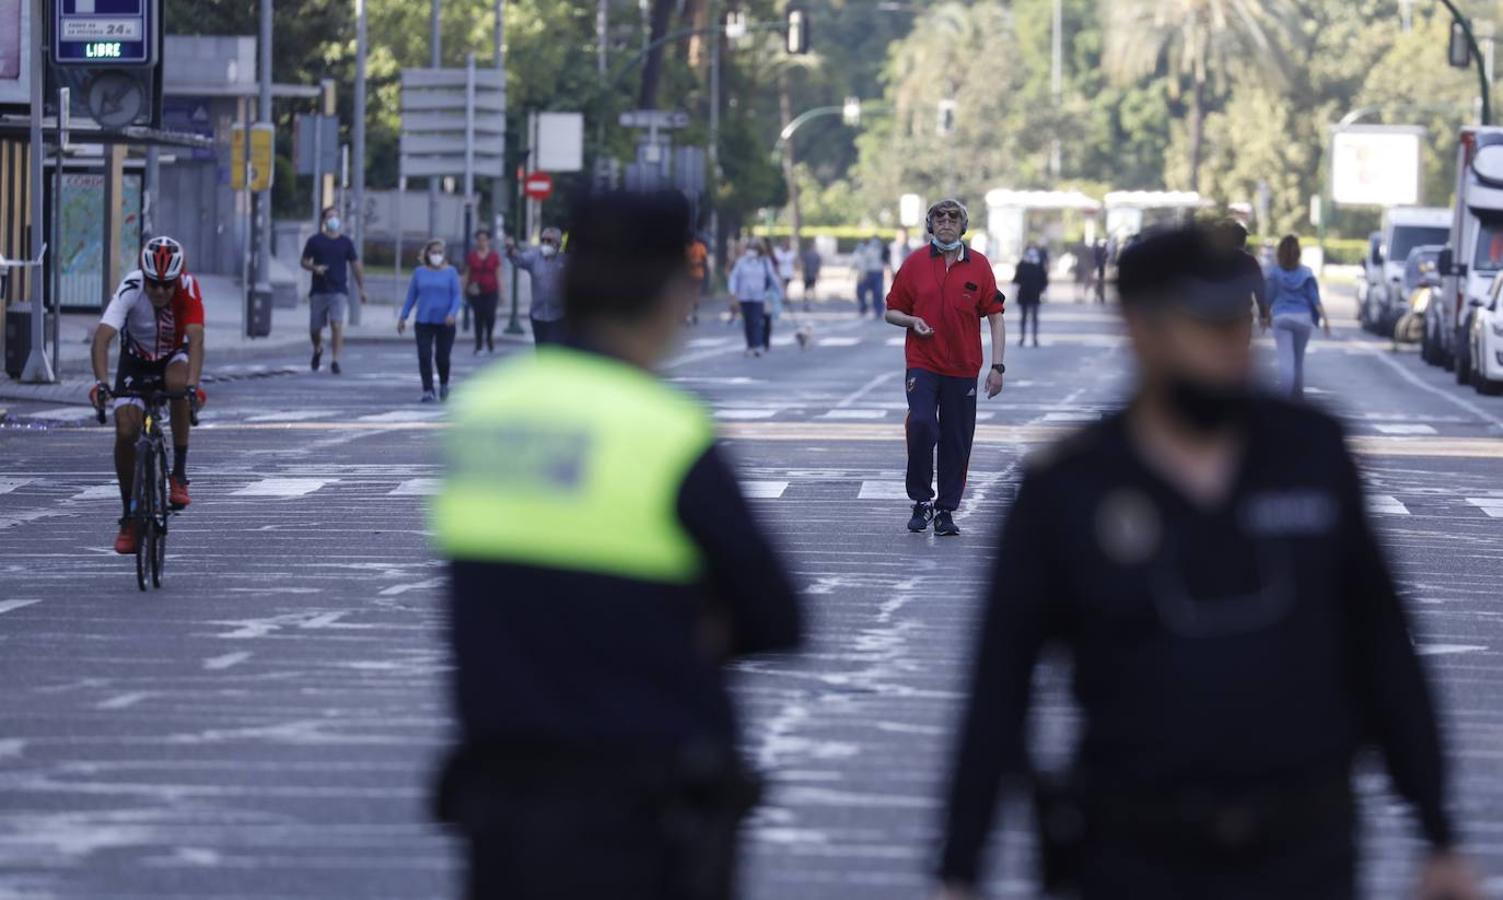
{"points": [[38, 367], [435, 46], [498, 185], [261, 200], [1057, 78], [713, 151], [602, 34], [357, 215]]}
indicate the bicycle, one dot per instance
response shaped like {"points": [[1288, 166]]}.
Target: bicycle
{"points": [[149, 507]]}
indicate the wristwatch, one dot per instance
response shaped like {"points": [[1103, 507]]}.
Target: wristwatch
{"points": [[999, 368]]}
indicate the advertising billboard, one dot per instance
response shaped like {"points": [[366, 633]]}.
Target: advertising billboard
{"points": [[15, 52], [1376, 165]]}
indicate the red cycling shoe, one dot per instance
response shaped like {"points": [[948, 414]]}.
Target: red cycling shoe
{"points": [[125, 541], [177, 494]]}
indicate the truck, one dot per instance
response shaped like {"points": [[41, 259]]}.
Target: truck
{"points": [[1381, 298], [1473, 254]]}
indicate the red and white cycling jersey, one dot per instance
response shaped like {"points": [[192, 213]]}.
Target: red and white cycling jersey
{"points": [[149, 333]]}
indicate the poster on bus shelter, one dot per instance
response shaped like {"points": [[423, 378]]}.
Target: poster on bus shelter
{"points": [[81, 240], [14, 61]]}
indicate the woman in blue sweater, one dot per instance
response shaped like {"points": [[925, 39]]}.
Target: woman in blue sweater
{"points": [[1295, 308], [434, 290]]}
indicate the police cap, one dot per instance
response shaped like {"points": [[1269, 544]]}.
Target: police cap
{"points": [[625, 247], [1190, 269]]}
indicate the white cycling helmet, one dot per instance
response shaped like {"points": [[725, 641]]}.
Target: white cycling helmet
{"points": [[162, 259]]}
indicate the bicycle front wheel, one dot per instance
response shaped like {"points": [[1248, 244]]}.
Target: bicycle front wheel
{"points": [[142, 519], [161, 512]]}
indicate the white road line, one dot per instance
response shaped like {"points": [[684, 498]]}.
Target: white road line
{"points": [[123, 701], [283, 487], [838, 341], [98, 492], [61, 414], [217, 663], [855, 414], [1071, 416], [883, 490], [417, 487], [1449, 396], [867, 388], [404, 415], [1405, 429], [1493, 506], [745, 413], [8, 605], [9, 484], [702, 343], [292, 415], [763, 490], [896, 341], [1386, 505], [1447, 649]]}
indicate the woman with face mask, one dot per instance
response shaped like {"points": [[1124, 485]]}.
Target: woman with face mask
{"points": [[435, 292], [751, 279]]}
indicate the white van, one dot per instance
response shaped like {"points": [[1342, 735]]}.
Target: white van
{"points": [[1381, 300], [1474, 251]]}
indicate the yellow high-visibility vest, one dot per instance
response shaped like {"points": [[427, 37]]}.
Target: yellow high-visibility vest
{"points": [[571, 460]]}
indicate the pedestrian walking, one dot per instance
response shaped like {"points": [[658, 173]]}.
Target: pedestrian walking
{"points": [[1206, 559], [482, 282], [811, 262], [603, 568], [753, 279], [869, 265], [435, 293], [772, 306], [1099, 256], [787, 261], [699, 270], [545, 264], [1031, 279], [941, 297], [1294, 311], [331, 257]]}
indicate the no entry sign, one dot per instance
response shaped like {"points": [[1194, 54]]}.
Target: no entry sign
{"points": [[538, 186]]}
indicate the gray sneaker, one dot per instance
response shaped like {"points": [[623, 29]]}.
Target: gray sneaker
{"points": [[923, 514], [944, 525]]}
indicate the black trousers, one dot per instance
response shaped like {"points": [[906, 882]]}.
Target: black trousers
{"points": [[942, 411], [485, 318], [545, 332], [434, 344], [1030, 312]]}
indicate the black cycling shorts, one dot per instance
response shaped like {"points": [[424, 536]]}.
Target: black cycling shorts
{"points": [[137, 374]]}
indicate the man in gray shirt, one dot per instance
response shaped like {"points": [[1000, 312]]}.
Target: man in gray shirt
{"points": [[546, 266]]}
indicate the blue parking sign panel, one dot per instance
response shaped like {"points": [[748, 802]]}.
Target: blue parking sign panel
{"points": [[102, 32]]}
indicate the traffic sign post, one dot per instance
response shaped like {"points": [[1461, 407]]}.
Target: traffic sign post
{"points": [[538, 186], [103, 32], [262, 139]]}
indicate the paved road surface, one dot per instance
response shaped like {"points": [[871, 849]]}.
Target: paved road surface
{"points": [[266, 725]]}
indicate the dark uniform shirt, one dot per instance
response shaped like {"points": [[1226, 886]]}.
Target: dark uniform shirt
{"points": [[1252, 644], [336, 253]]}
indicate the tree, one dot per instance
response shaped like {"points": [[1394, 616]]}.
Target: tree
{"points": [[1202, 42]]}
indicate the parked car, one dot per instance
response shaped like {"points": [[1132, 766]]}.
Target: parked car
{"points": [[1485, 356], [1382, 297]]}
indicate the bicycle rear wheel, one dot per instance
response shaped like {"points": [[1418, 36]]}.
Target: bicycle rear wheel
{"points": [[142, 491]]}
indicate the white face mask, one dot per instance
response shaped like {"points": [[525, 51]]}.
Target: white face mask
{"points": [[435, 259], [548, 250], [332, 224]]}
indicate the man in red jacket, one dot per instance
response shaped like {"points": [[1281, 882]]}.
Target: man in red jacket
{"points": [[941, 296]]}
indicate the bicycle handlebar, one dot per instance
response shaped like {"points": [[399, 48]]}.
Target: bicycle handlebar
{"points": [[153, 397]]}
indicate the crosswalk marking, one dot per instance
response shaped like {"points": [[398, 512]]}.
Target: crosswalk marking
{"points": [[416, 487], [9, 484], [8, 605], [883, 490], [282, 487], [292, 415], [1390, 428], [1071, 416], [98, 492], [62, 414], [839, 341], [1493, 506], [1386, 505], [763, 490], [896, 341], [404, 415], [855, 414], [745, 413]]}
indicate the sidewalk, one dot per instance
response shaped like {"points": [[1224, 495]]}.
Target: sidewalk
{"points": [[230, 354]]}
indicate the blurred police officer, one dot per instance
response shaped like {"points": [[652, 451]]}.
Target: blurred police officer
{"points": [[1236, 638], [603, 566]]}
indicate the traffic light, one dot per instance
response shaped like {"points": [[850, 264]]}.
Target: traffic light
{"points": [[798, 30]]}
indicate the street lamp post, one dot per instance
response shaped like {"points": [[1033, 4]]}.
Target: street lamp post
{"points": [[1474, 56], [357, 215]]}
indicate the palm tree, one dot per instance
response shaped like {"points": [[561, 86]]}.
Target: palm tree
{"points": [[1202, 42]]}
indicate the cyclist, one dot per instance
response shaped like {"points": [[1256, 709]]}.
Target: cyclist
{"points": [[159, 313]]}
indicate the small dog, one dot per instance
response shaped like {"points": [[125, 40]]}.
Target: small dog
{"points": [[805, 335]]}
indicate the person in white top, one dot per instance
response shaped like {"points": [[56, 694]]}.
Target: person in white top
{"points": [[787, 260]]}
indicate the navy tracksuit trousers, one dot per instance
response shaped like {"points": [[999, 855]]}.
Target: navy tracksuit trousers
{"points": [[941, 411]]}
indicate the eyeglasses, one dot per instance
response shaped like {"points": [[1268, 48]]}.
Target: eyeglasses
{"points": [[154, 285]]}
